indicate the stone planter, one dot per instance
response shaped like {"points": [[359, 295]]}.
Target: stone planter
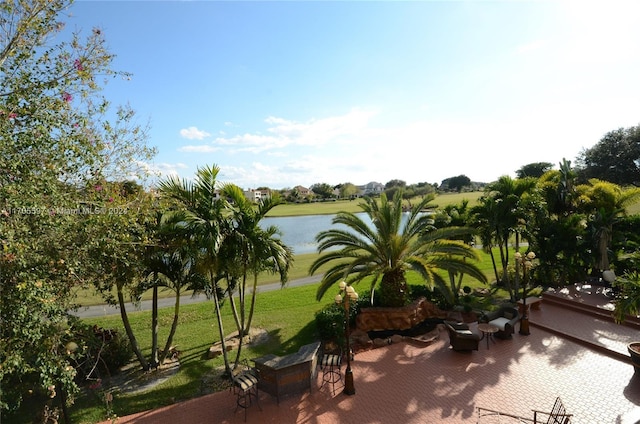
{"points": [[402, 318], [634, 352]]}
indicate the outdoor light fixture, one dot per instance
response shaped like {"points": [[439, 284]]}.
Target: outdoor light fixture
{"points": [[347, 293]]}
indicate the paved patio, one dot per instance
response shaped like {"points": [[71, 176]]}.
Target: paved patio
{"points": [[412, 383]]}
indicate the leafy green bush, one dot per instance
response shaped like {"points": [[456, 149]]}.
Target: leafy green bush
{"points": [[434, 296], [98, 352], [330, 322]]}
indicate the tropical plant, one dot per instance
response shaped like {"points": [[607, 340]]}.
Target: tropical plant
{"points": [[390, 247], [248, 250], [627, 302], [202, 213], [171, 264], [607, 203], [499, 215]]}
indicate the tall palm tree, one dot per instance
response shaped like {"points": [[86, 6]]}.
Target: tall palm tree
{"points": [[202, 213], [502, 210], [250, 250], [391, 247], [609, 202]]}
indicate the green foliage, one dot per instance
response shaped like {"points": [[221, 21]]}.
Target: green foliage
{"points": [[323, 190], [330, 324], [628, 299], [393, 245], [535, 170], [614, 158], [55, 144]]}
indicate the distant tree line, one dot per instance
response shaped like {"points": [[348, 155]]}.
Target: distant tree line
{"points": [[615, 158]]}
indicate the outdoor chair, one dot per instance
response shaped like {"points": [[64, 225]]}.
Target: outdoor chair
{"points": [[505, 318], [557, 415], [461, 337], [245, 387], [330, 364]]}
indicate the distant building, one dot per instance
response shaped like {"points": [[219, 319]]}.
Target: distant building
{"points": [[371, 189], [256, 195], [303, 191]]}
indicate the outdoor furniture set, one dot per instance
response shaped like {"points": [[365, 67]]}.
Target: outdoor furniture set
{"points": [[500, 323]]}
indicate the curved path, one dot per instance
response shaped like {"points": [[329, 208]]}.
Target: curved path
{"points": [[145, 305]]}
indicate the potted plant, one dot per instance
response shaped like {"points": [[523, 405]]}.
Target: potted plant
{"points": [[467, 300], [627, 303]]}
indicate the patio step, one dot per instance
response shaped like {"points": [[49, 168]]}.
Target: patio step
{"points": [[584, 315], [602, 310]]}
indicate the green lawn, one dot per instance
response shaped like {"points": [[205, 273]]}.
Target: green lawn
{"points": [[331, 207], [288, 316]]}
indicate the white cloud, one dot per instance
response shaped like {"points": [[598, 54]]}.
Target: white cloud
{"points": [[193, 133], [202, 148], [282, 133]]}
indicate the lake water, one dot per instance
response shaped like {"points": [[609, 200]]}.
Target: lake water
{"points": [[299, 232]]}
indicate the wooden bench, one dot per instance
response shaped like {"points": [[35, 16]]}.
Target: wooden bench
{"points": [[557, 415]]}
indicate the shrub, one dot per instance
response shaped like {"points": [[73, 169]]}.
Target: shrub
{"points": [[434, 296], [101, 351], [330, 322]]}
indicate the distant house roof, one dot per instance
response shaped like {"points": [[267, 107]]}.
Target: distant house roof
{"points": [[372, 187]]}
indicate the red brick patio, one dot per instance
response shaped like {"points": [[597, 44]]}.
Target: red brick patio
{"points": [[409, 383]]}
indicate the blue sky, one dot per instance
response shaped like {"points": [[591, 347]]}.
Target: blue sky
{"points": [[281, 94]]}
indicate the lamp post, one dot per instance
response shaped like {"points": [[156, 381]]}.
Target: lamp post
{"points": [[347, 293]]}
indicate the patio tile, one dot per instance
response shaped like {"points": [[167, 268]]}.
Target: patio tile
{"points": [[407, 383]]}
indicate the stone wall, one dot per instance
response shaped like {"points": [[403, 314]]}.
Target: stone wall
{"points": [[403, 318]]}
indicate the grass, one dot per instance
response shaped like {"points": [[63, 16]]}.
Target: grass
{"points": [[331, 207], [287, 315]]}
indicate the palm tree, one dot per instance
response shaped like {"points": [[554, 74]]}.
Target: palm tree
{"points": [[609, 202], [390, 248], [250, 250], [172, 266], [501, 212], [202, 213]]}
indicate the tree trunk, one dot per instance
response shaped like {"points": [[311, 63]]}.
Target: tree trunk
{"points": [[154, 328], [253, 301], [127, 326], [393, 288], [225, 356], [174, 326]]}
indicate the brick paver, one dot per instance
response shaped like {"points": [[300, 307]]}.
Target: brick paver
{"points": [[409, 383]]}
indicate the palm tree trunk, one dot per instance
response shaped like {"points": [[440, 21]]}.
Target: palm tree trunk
{"points": [[154, 327], [225, 356], [174, 326], [129, 331], [253, 301]]}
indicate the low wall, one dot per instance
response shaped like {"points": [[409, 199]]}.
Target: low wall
{"points": [[403, 318]]}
